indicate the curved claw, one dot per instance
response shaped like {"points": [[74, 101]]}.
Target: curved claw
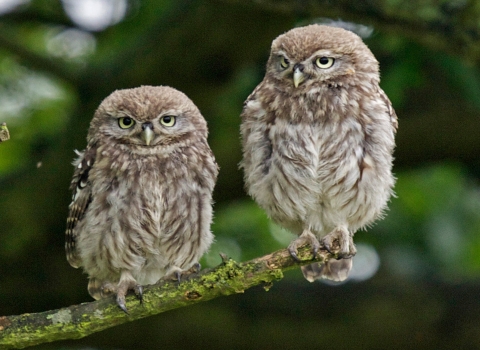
{"points": [[139, 292], [197, 267], [327, 247], [293, 254], [121, 304], [178, 276], [307, 237], [339, 242], [138, 289], [345, 256]]}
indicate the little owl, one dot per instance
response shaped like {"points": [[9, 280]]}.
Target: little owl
{"points": [[142, 192], [318, 136]]}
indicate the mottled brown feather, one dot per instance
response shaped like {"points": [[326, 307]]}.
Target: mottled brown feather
{"points": [[81, 198], [318, 156], [141, 211]]}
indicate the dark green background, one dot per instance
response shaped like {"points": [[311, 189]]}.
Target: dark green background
{"points": [[426, 293]]}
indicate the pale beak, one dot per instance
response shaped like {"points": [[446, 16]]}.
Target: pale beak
{"points": [[147, 133], [298, 77]]}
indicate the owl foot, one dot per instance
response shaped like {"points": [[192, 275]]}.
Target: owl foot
{"points": [[340, 243], [127, 282], [178, 276], [196, 267], [307, 237], [175, 273]]}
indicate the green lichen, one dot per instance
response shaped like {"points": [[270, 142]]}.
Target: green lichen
{"points": [[63, 316], [78, 321]]}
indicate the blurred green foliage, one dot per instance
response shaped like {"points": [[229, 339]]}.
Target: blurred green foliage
{"points": [[54, 73]]}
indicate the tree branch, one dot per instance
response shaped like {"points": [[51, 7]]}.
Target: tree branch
{"points": [[78, 321], [450, 26]]}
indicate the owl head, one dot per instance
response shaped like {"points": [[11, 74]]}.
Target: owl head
{"points": [[315, 56], [146, 117]]}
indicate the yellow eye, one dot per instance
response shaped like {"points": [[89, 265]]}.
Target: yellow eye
{"points": [[126, 122], [284, 63], [324, 62], [168, 120]]}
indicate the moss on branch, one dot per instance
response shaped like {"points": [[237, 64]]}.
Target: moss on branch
{"points": [[78, 321]]}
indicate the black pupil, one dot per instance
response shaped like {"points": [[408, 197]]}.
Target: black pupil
{"points": [[323, 60], [127, 121], [167, 119]]}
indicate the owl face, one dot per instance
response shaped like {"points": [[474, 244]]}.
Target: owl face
{"points": [[146, 119], [316, 55]]}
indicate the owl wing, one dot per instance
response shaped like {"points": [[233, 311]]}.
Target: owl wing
{"points": [[391, 111], [251, 97], [255, 133], [82, 196]]}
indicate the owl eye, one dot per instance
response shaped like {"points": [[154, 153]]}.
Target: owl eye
{"points": [[168, 120], [126, 122], [324, 62], [284, 63]]}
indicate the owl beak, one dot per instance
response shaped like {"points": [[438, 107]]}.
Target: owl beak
{"points": [[147, 133], [298, 76]]}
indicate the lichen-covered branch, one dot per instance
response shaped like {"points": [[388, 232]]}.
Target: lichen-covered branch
{"points": [[4, 134], [78, 321], [452, 26]]}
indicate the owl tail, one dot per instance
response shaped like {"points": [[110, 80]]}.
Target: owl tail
{"points": [[335, 270], [99, 290], [95, 288]]}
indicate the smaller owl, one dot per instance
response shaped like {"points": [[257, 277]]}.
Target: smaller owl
{"points": [[318, 135], [142, 192]]}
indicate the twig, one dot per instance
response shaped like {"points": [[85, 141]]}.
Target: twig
{"points": [[4, 134]]}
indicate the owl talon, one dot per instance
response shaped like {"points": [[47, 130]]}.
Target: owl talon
{"points": [[348, 255], [340, 243], [293, 254], [178, 276], [138, 289], [176, 273], [127, 282], [326, 245], [307, 237], [121, 303], [196, 267]]}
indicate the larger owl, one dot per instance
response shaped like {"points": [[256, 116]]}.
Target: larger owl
{"points": [[318, 137], [142, 192]]}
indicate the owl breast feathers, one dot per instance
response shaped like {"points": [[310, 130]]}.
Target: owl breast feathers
{"points": [[142, 192], [318, 137]]}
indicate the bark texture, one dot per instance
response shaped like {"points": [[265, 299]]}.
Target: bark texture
{"points": [[78, 321]]}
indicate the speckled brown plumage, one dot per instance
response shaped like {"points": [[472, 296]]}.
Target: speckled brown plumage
{"points": [[318, 137], [142, 192]]}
